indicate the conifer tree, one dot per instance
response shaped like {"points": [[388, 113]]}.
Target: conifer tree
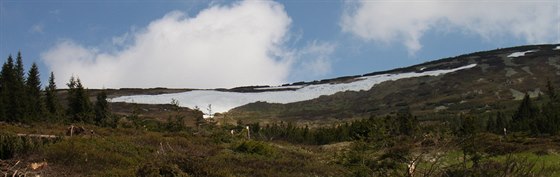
{"points": [[72, 108], [468, 126], [101, 108], [2, 108], [79, 106], [501, 122], [34, 93], [19, 72], [525, 116], [18, 100], [51, 100], [549, 122], [6, 80], [469, 145]]}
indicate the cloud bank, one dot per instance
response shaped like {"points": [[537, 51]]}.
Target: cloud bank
{"points": [[313, 60], [222, 46], [406, 22]]}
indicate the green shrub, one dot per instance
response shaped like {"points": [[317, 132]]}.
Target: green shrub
{"points": [[255, 147], [154, 170], [12, 145], [85, 155]]}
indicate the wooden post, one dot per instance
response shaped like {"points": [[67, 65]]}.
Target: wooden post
{"points": [[248, 132]]}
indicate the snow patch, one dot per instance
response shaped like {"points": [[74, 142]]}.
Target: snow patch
{"points": [[281, 87], [519, 54], [557, 48], [225, 101]]}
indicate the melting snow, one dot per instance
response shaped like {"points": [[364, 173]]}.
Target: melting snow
{"points": [[281, 87], [224, 101], [557, 48], [520, 54]]}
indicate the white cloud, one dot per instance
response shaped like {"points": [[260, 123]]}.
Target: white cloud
{"points": [[405, 22], [37, 29], [313, 60], [222, 46]]}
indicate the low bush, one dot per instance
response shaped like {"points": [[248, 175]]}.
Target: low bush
{"points": [[255, 147], [12, 145]]}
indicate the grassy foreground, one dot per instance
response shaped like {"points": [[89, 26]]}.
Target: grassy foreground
{"points": [[213, 151]]}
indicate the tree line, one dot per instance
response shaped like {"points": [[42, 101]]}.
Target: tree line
{"points": [[371, 129], [528, 118], [24, 100]]}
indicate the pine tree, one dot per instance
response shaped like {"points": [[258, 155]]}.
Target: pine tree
{"points": [[19, 69], [79, 106], [18, 101], [2, 108], [468, 126], [469, 145], [51, 99], [501, 123], [6, 80], [72, 102], [101, 108], [525, 116], [549, 121], [34, 94]]}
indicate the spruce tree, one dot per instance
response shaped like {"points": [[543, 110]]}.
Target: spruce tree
{"points": [[501, 122], [6, 79], [469, 145], [51, 99], [468, 126], [549, 121], [79, 106], [18, 101], [71, 99], [101, 108], [525, 116], [19, 69], [34, 94]]}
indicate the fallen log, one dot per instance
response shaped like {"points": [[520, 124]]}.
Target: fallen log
{"points": [[37, 135]]}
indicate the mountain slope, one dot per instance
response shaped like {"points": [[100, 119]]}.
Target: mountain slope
{"points": [[496, 81], [478, 82]]}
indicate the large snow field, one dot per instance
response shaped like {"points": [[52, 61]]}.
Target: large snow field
{"points": [[222, 101]]}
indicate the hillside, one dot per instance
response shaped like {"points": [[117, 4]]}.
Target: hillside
{"points": [[476, 83], [402, 122], [499, 78]]}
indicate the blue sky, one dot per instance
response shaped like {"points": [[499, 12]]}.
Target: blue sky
{"points": [[208, 44]]}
